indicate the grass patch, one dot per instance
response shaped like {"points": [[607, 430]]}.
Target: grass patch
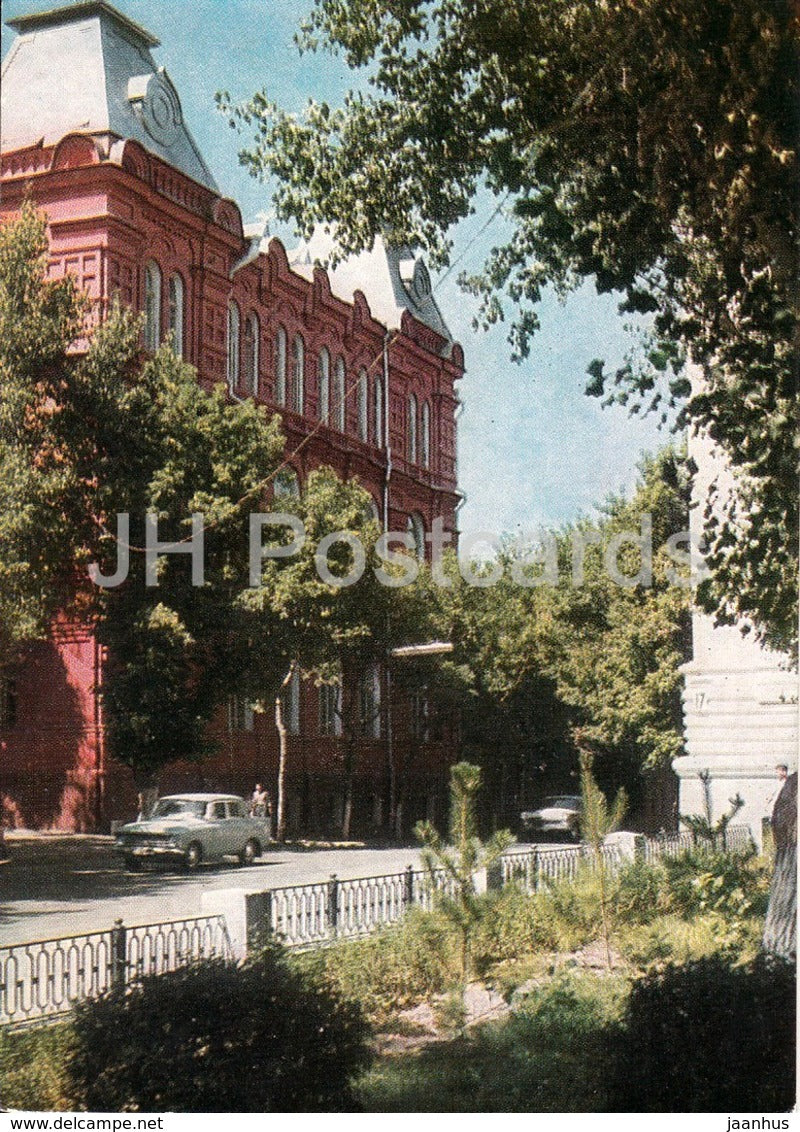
{"points": [[549, 1056], [392, 969], [33, 1068]]}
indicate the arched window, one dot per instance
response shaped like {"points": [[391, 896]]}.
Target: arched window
{"points": [[280, 366], [412, 429], [233, 345], [373, 511], [416, 528], [426, 435], [324, 379], [175, 301], [298, 374], [363, 406], [152, 306], [339, 383], [251, 343], [378, 404], [287, 484]]}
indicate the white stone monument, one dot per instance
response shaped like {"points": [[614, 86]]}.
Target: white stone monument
{"points": [[740, 699]]}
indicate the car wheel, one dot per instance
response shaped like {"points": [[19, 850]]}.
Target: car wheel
{"points": [[193, 855], [251, 850], [133, 864]]}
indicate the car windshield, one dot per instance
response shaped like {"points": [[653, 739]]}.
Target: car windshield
{"points": [[172, 807], [563, 801]]}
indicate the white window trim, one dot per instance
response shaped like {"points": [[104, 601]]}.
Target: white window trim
{"points": [[152, 306], [426, 435], [253, 333], [234, 345], [177, 307], [363, 406], [412, 429], [298, 374], [378, 407], [281, 350], [324, 385], [340, 390]]}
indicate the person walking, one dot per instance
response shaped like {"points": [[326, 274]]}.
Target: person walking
{"points": [[260, 805]]}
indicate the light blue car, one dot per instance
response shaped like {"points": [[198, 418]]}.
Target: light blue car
{"points": [[192, 829]]}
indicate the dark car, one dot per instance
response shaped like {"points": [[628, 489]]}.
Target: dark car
{"points": [[559, 814]]}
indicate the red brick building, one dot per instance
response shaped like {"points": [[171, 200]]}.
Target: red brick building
{"points": [[357, 361]]}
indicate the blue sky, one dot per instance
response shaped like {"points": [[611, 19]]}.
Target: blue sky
{"points": [[533, 449]]}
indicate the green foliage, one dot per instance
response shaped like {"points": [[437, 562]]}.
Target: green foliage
{"points": [[550, 1056], [598, 820], [538, 658], [514, 923], [216, 1038], [334, 631], [731, 884], [639, 890], [461, 857], [650, 148], [708, 1036], [701, 825], [38, 538], [105, 431], [392, 969], [33, 1068]]}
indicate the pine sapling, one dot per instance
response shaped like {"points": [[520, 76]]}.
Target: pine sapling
{"points": [[597, 821]]}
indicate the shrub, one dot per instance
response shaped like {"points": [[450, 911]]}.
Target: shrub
{"points": [[215, 1038], [33, 1068], [640, 893], [733, 885], [513, 923], [571, 908], [393, 968], [708, 1037]]}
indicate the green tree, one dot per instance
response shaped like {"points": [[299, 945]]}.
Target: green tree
{"points": [[539, 653], [598, 820], [91, 434], [337, 628], [647, 145], [461, 856], [39, 537], [178, 650], [615, 651]]}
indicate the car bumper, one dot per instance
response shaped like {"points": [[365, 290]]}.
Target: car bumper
{"points": [[163, 852]]}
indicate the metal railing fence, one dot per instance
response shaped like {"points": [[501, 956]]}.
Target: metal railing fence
{"points": [[303, 915], [45, 978]]}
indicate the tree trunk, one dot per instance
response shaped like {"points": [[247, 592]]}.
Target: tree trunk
{"points": [[351, 719], [280, 724], [780, 928], [349, 776]]}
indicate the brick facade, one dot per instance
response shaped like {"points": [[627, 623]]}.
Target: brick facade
{"points": [[114, 210]]}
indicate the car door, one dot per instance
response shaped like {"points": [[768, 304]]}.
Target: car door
{"points": [[237, 827], [214, 833]]}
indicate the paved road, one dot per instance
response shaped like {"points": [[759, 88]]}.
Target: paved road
{"points": [[56, 886]]}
